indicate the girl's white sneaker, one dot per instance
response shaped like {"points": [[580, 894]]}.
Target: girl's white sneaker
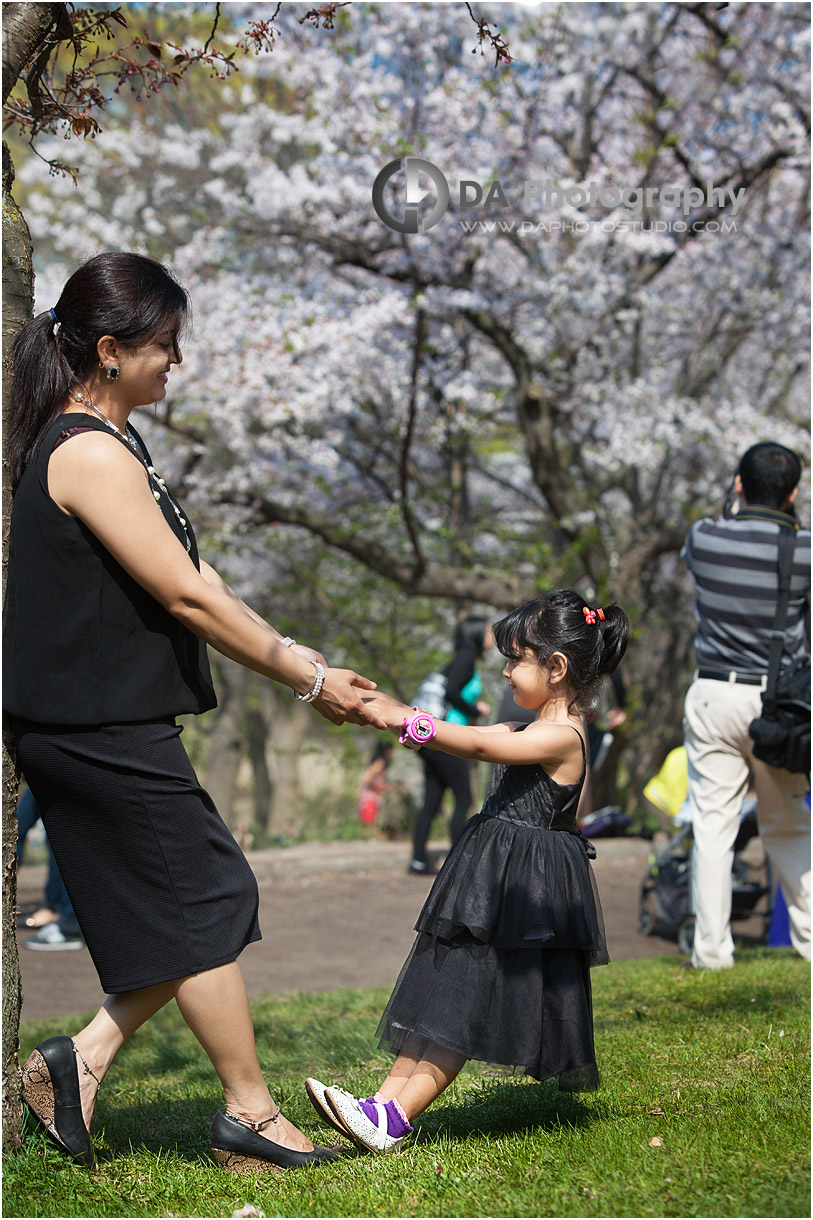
{"points": [[316, 1092], [371, 1135]]}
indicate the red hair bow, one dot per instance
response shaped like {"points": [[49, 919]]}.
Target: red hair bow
{"points": [[590, 615]]}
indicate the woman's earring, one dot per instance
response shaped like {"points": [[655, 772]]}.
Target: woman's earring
{"points": [[112, 372]]}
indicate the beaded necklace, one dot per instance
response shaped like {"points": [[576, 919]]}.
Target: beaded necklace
{"points": [[130, 440]]}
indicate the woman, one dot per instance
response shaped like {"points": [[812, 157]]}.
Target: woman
{"points": [[108, 613], [473, 638]]}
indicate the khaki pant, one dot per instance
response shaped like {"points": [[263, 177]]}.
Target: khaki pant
{"points": [[717, 716]]}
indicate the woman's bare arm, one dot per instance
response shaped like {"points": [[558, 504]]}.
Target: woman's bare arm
{"points": [[95, 479]]}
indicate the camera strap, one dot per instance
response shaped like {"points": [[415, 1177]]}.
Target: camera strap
{"points": [[774, 515], [787, 545]]}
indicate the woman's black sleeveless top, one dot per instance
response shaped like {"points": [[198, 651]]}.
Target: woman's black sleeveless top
{"points": [[83, 643]]}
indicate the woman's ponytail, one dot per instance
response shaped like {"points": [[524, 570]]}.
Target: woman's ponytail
{"points": [[40, 380], [615, 634]]}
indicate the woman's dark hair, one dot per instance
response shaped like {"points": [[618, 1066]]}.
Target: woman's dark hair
{"points": [[557, 623], [769, 473], [470, 634], [129, 296]]}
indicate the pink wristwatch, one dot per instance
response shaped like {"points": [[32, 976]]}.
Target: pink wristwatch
{"points": [[418, 728]]}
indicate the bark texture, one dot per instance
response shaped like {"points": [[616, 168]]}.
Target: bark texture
{"points": [[18, 294], [25, 27], [25, 30]]}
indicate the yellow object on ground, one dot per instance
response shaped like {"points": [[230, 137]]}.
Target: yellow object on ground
{"points": [[670, 787]]}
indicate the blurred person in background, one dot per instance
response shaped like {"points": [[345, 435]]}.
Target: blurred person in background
{"points": [[464, 686]]}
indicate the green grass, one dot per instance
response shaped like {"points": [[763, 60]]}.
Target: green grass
{"points": [[715, 1066]]}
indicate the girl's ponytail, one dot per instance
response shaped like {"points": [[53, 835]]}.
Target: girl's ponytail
{"points": [[615, 632], [40, 380]]}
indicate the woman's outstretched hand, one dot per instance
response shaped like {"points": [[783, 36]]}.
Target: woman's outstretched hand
{"points": [[342, 699]]}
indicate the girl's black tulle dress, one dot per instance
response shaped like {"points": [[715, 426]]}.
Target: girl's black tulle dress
{"points": [[500, 969]]}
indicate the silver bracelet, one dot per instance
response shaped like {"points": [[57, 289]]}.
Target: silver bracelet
{"points": [[316, 689], [288, 642]]}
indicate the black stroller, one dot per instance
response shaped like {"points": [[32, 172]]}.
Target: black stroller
{"points": [[665, 904]]}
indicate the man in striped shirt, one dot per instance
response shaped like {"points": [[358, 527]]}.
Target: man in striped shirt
{"points": [[734, 562]]}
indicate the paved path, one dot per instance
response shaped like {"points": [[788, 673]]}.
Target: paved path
{"points": [[332, 915]]}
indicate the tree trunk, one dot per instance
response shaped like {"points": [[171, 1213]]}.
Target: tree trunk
{"points": [[226, 740], [24, 29], [18, 295], [288, 730], [257, 732]]}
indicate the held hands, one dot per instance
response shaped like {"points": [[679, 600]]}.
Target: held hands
{"points": [[345, 696], [390, 711], [343, 699], [339, 699], [417, 728]]}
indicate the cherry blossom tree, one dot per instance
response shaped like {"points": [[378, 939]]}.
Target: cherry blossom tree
{"points": [[540, 390]]}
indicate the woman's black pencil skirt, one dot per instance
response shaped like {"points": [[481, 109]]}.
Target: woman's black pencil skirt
{"points": [[159, 885]]}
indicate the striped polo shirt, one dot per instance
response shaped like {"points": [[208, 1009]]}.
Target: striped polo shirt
{"points": [[735, 567]]}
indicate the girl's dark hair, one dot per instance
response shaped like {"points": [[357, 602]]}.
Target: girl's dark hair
{"points": [[557, 623], [129, 296], [470, 634]]}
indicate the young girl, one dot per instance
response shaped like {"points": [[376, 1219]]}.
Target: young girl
{"points": [[500, 967]]}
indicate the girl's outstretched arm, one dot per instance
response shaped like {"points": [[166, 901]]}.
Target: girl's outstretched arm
{"points": [[550, 743]]}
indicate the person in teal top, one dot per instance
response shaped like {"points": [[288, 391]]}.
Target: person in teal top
{"points": [[464, 686], [469, 695]]}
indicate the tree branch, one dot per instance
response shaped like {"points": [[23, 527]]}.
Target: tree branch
{"points": [[495, 586], [409, 431], [704, 13], [213, 30]]}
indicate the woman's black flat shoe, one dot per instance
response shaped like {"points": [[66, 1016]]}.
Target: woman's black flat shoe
{"points": [[238, 1148], [51, 1088]]}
